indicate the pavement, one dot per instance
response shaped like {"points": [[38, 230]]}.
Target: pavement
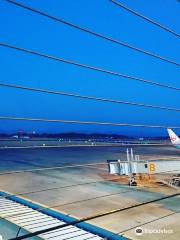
{"points": [[81, 192]]}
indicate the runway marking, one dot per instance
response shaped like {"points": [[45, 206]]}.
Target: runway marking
{"points": [[81, 145], [50, 168]]}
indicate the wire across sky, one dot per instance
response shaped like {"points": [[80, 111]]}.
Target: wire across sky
{"points": [[93, 68], [85, 122], [119, 4], [77, 64], [92, 98], [127, 45], [75, 95]]}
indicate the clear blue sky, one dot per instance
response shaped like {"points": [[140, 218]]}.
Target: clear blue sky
{"points": [[29, 30]]}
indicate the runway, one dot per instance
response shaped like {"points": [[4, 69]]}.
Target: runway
{"points": [[79, 190]]}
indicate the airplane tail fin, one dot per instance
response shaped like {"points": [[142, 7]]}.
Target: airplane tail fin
{"points": [[174, 138]]}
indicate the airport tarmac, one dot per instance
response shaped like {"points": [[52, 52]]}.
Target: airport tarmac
{"points": [[81, 191]]}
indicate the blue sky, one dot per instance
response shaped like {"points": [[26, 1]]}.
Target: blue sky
{"points": [[29, 30]]}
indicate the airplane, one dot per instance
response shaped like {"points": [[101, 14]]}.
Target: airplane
{"points": [[174, 138]]}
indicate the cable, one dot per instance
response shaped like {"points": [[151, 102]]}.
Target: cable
{"points": [[41, 208], [68, 186], [68, 203], [145, 223], [145, 18], [87, 97], [93, 217], [88, 66], [154, 220], [99, 181], [18, 232], [85, 122], [63, 167], [93, 33]]}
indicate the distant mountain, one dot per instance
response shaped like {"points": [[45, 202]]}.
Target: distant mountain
{"points": [[74, 135]]}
